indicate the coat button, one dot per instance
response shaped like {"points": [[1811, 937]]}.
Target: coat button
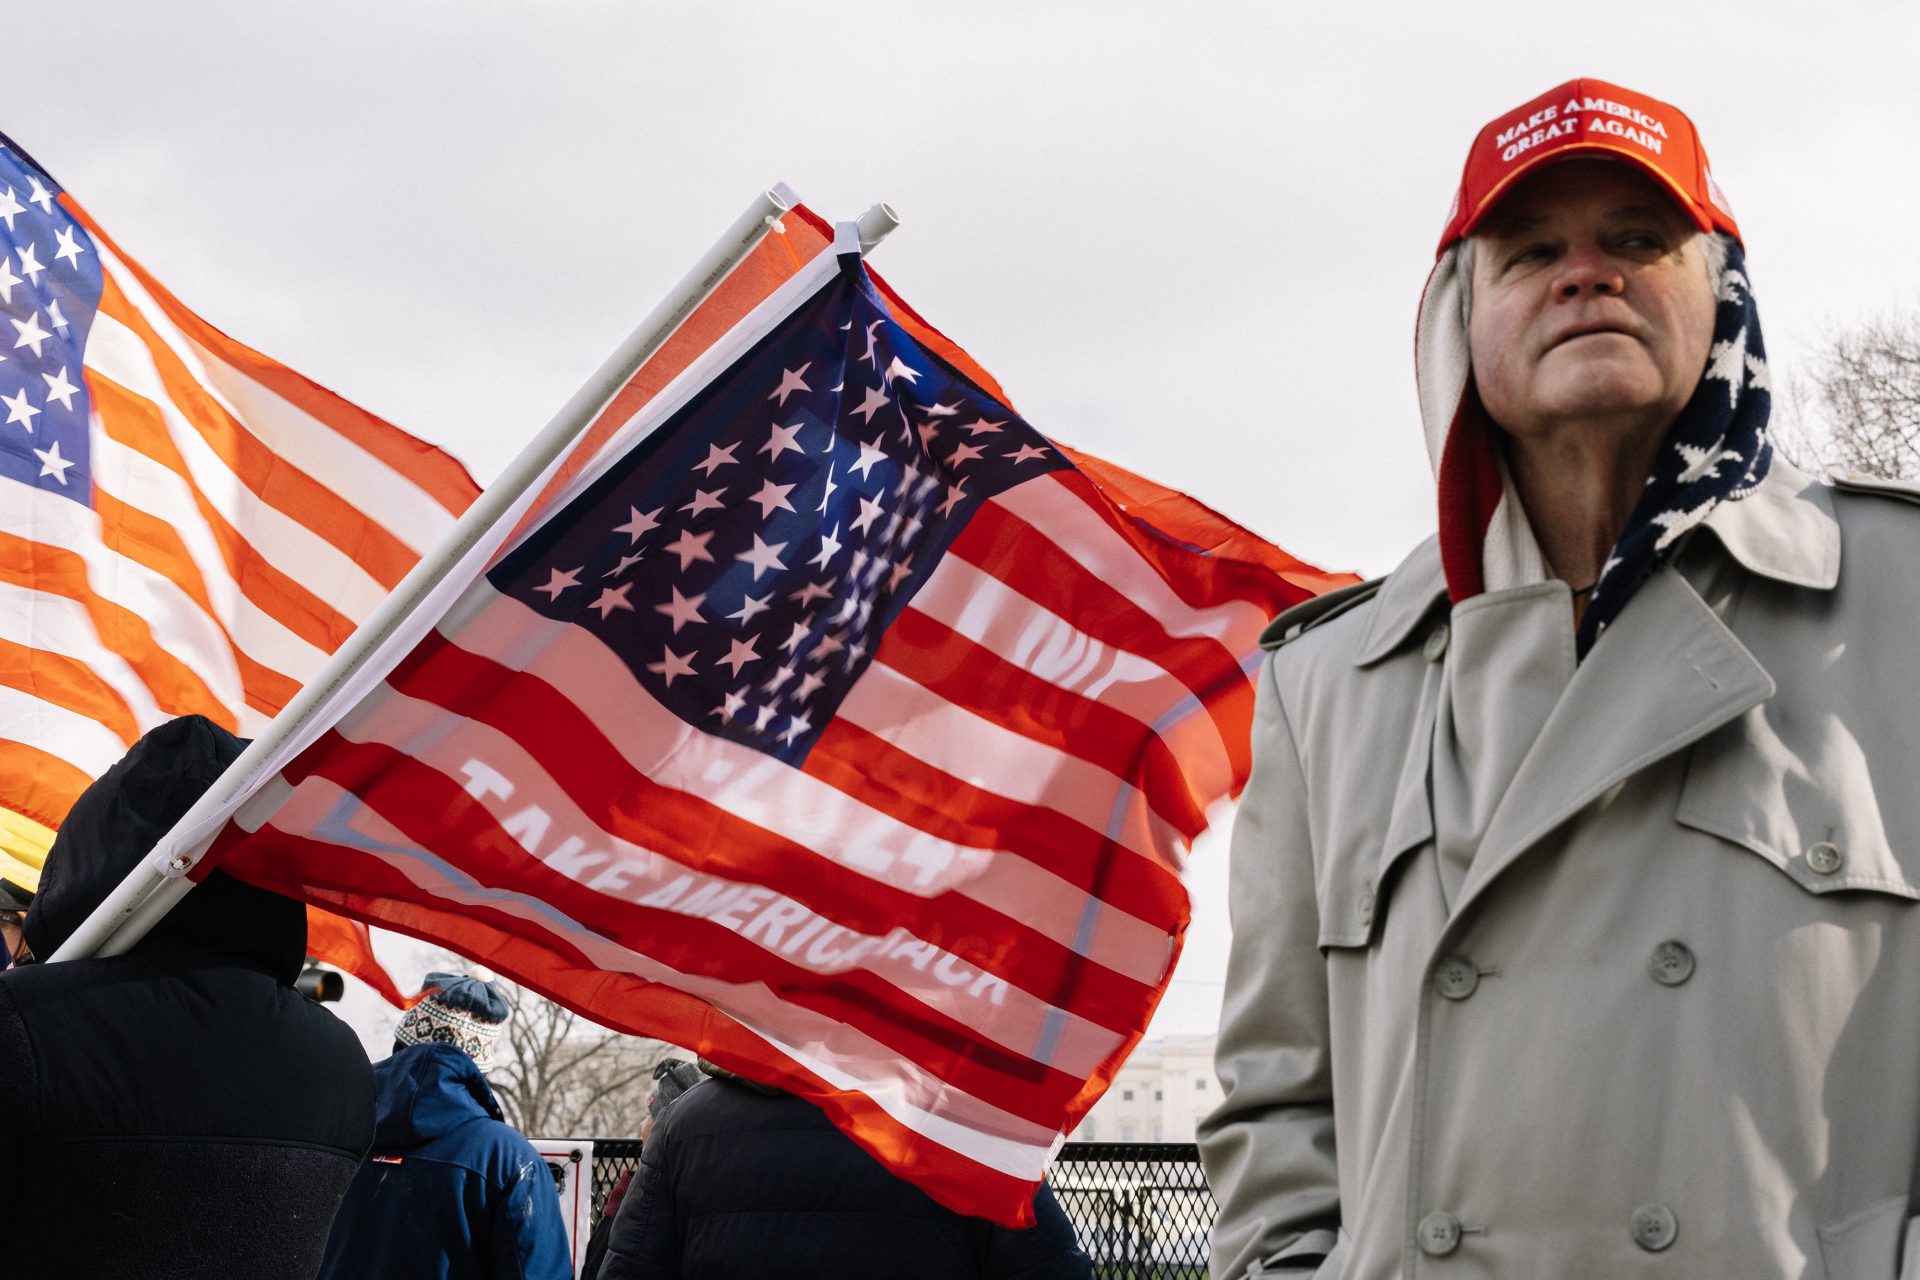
{"points": [[1825, 858], [1672, 964], [1456, 977], [1436, 645], [1439, 1234], [1654, 1227]]}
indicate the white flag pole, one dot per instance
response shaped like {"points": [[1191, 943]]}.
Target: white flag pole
{"points": [[151, 889]]}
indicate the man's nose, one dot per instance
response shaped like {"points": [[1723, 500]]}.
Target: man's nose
{"points": [[1588, 273]]}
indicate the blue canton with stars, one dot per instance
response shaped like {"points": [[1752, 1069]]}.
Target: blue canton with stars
{"points": [[746, 558], [50, 284]]}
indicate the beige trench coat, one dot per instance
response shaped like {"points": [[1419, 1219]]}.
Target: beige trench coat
{"points": [[1668, 1023]]}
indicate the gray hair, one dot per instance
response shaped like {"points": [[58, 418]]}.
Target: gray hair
{"points": [[1714, 247]]}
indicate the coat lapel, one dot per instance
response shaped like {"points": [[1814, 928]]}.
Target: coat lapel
{"points": [[1667, 673]]}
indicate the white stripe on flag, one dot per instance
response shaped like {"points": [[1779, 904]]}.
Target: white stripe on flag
{"points": [[36, 620], [81, 741], [115, 351], [145, 485], [387, 496], [179, 625]]}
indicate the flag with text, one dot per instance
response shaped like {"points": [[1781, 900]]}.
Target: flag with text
{"points": [[831, 721]]}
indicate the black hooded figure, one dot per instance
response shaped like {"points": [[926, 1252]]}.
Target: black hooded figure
{"points": [[179, 1110]]}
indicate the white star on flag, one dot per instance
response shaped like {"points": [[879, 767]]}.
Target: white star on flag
{"points": [[869, 455], [706, 500], [740, 654], [772, 497], [31, 334], [751, 606], [682, 610], [900, 369], [59, 388], [717, 457], [691, 546], [51, 463], [626, 563], [559, 582], [68, 250], [20, 410], [876, 400], [790, 382], [41, 196], [613, 599], [10, 207], [671, 665], [640, 524], [1027, 453], [869, 512], [7, 278], [30, 263], [829, 547], [781, 440], [763, 557]]}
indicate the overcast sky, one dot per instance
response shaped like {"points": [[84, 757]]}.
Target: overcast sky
{"points": [[1189, 238]]}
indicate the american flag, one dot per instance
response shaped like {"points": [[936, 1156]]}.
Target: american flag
{"points": [[185, 524], [832, 722]]}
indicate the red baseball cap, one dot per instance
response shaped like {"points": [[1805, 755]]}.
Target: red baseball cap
{"points": [[1588, 117]]}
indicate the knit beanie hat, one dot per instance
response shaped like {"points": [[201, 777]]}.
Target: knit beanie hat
{"points": [[463, 1010], [672, 1077]]}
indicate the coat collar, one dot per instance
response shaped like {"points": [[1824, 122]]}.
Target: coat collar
{"points": [[1784, 530]]}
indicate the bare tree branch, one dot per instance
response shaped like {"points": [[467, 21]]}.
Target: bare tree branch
{"points": [[1863, 413]]}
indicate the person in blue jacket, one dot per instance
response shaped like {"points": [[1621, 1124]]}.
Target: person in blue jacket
{"points": [[449, 1191]]}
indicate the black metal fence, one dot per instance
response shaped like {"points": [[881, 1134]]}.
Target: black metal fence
{"points": [[1142, 1210]]}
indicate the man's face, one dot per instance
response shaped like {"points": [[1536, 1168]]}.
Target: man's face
{"points": [[1591, 304], [12, 929]]}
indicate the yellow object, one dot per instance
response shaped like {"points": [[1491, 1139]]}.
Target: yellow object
{"points": [[23, 849]]}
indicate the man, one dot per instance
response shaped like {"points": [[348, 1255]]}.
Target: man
{"points": [[179, 1110], [450, 1191], [741, 1180], [1575, 891]]}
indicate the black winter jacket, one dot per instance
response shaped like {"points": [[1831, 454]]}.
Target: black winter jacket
{"points": [[740, 1182], [179, 1110]]}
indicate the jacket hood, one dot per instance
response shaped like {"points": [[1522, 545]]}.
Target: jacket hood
{"points": [[426, 1091], [117, 821]]}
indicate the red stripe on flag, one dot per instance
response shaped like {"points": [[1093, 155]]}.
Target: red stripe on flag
{"points": [[176, 688], [59, 680], [40, 785]]}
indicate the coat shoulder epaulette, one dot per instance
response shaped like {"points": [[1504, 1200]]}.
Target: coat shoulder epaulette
{"points": [[1863, 482], [1308, 614]]}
